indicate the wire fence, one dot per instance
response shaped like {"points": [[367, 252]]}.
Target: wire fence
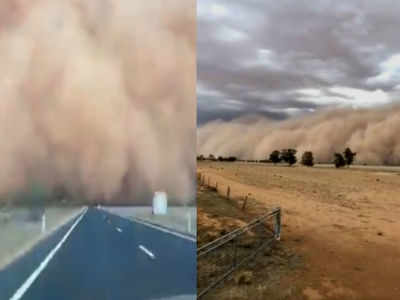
{"points": [[221, 257]]}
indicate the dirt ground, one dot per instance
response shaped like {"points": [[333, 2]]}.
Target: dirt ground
{"points": [[344, 224]]}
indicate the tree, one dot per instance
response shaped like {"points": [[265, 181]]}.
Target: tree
{"points": [[289, 156], [200, 157], [339, 160], [307, 159], [211, 157], [349, 156], [275, 157]]}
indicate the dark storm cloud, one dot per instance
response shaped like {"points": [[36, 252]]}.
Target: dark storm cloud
{"points": [[281, 58], [205, 116]]}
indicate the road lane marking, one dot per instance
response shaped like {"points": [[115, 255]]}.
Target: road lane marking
{"points": [[25, 286], [119, 229], [165, 230], [145, 250]]}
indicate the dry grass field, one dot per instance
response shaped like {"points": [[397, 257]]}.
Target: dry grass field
{"points": [[343, 223], [269, 275]]}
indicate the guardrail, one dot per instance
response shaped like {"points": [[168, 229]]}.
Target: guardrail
{"points": [[221, 257]]}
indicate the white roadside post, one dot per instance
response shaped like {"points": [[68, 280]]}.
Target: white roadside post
{"points": [[160, 203], [189, 222], [44, 222]]}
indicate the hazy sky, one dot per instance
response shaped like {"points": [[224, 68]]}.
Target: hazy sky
{"points": [[285, 58]]}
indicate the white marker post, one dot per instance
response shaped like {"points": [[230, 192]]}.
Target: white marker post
{"points": [[44, 222], [160, 203], [189, 222]]}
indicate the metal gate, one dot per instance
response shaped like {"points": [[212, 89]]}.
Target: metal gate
{"points": [[221, 257]]}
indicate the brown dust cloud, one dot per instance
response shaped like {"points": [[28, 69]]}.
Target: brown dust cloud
{"points": [[372, 133], [98, 96]]}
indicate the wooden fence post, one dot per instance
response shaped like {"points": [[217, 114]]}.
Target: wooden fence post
{"points": [[228, 192], [244, 202]]}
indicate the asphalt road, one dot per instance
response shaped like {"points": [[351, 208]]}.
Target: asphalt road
{"points": [[105, 257]]}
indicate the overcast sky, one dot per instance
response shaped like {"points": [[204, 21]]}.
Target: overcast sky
{"points": [[285, 58]]}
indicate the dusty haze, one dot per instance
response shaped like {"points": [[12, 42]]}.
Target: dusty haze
{"points": [[373, 133], [98, 96]]}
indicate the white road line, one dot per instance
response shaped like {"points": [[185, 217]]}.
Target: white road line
{"points": [[165, 230], [137, 220], [118, 229], [143, 248], [25, 286]]}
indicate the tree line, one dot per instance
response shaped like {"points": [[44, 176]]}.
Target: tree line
{"points": [[346, 158], [219, 158], [307, 159]]}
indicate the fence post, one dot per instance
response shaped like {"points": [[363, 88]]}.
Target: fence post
{"points": [[216, 187], [244, 202], [208, 182], [228, 192], [277, 229], [234, 252]]}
